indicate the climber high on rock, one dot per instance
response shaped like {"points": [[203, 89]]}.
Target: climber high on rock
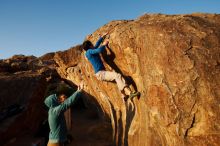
{"points": [[92, 54]]}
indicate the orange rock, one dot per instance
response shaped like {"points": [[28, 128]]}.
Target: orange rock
{"points": [[173, 60]]}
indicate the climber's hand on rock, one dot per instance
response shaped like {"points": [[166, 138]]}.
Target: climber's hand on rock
{"points": [[88, 36], [81, 86], [104, 34], [106, 42], [111, 69]]}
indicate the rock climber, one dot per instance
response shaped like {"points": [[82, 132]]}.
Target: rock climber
{"points": [[58, 104], [92, 54]]}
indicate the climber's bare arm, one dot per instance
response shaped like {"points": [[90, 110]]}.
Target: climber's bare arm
{"points": [[104, 35], [106, 43]]}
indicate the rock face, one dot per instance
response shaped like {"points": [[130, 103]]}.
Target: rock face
{"points": [[23, 84], [25, 81], [21, 95], [174, 61]]}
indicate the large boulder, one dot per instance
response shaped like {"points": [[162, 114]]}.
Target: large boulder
{"points": [[174, 61]]}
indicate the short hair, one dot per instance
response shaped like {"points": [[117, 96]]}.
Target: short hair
{"points": [[64, 89], [87, 45]]}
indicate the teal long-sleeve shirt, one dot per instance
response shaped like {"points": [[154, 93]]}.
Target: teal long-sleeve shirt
{"points": [[56, 119], [93, 56]]}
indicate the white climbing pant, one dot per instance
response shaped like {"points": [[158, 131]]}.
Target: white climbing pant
{"points": [[111, 76]]}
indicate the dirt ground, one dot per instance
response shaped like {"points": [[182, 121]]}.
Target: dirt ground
{"points": [[87, 130]]}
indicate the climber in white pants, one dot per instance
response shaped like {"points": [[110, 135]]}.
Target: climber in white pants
{"points": [[92, 54], [112, 76]]}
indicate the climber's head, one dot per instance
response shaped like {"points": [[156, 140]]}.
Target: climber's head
{"points": [[87, 45], [63, 91], [62, 98], [54, 100]]}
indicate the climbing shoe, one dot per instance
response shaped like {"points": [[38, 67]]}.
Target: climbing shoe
{"points": [[133, 94]]}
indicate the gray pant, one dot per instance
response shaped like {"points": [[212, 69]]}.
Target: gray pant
{"points": [[111, 76]]}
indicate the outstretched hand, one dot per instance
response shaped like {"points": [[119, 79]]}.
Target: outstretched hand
{"points": [[105, 43], [104, 34], [81, 86]]}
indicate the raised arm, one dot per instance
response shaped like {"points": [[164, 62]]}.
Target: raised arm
{"points": [[67, 103], [97, 50], [98, 42]]}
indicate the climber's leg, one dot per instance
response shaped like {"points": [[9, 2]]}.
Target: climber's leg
{"points": [[112, 76], [127, 90], [131, 93]]}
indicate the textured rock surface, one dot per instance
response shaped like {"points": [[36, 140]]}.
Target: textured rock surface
{"points": [[23, 85], [26, 91], [175, 62]]}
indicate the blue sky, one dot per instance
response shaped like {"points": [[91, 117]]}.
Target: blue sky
{"points": [[36, 27]]}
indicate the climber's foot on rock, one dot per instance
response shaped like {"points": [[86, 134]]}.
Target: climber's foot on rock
{"points": [[134, 94]]}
